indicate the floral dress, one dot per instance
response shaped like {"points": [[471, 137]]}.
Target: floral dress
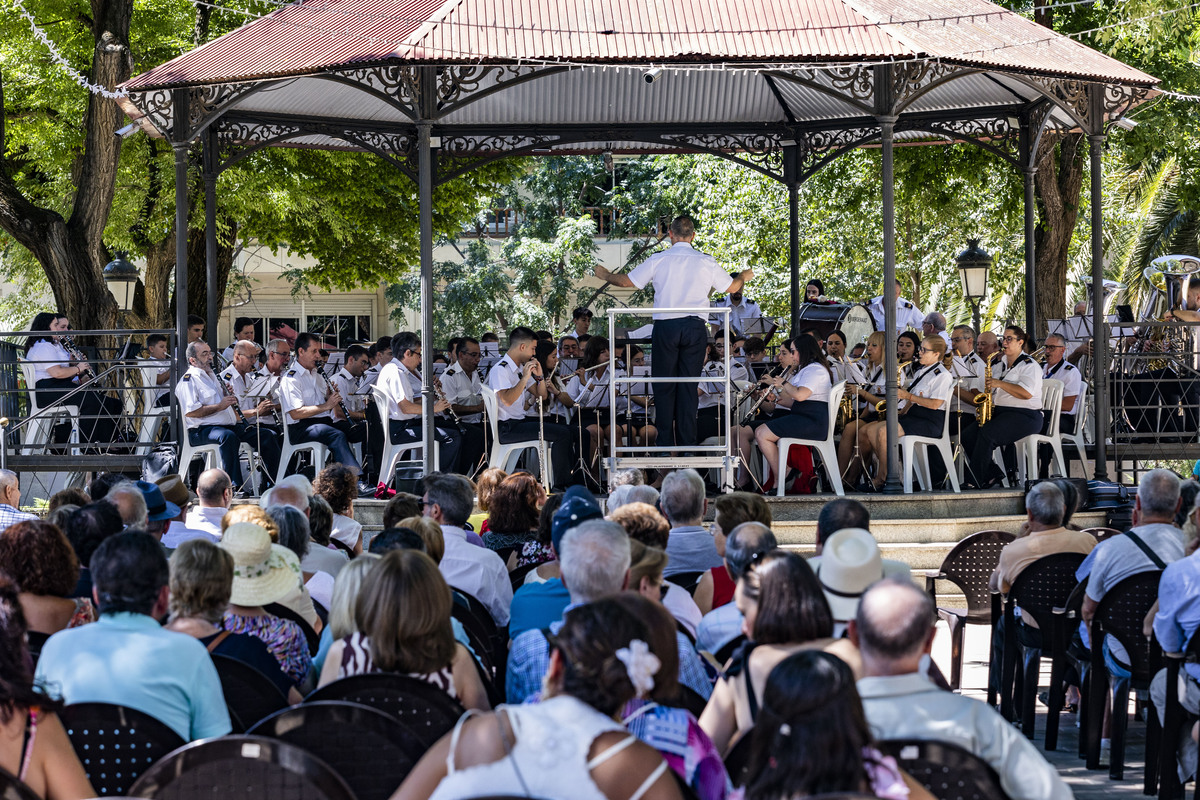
{"points": [[282, 637]]}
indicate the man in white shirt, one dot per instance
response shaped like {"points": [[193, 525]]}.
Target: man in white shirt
{"points": [[215, 492], [243, 331], [10, 500], [516, 378], [682, 278], [934, 324], [242, 376], [469, 568], [894, 630], [398, 379], [1058, 368], [966, 367], [209, 416], [742, 310], [156, 359], [463, 388], [309, 407], [907, 313]]}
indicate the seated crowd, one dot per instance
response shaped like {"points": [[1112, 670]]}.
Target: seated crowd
{"points": [[644, 650]]}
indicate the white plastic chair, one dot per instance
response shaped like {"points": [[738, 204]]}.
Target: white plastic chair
{"points": [[320, 453], [1081, 423], [823, 447], [1027, 448], [505, 454], [392, 452], [152, 416], [739, 411], [914, 460], [212, 455], [37, 432]]}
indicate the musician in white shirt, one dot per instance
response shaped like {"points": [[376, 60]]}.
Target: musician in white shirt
{"points": [[712, 392], [517, 373], [589, 388], [243, 331], [461, 385], [907, 313], [209, 417], [1016, 389], [966, 368], [311, 411], [835, 351], [156, 356], [922, 409], [1058, 368], [57, 372], [809, 391], [240, 376], [400, 382], [855, 445]]}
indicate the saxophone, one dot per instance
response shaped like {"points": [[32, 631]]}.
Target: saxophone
{"points": [[881, 406], [848, 405], [983, 401]]}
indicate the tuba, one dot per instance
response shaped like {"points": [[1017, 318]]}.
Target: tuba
{"points": [[1168, 279]]}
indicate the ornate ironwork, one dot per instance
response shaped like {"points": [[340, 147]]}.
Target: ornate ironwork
{"points": [[994, 134], [157, 105], [237, 139], [1118, 100], [400, 84], [460, 153], [853, 85], [818, 148], [205, 101], [1070, 95], [455, 81], [761, 151], [911, 79], [856, 81]]}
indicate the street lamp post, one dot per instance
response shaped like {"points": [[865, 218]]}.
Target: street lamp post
{"points": [[973, 265], [121, 278]]}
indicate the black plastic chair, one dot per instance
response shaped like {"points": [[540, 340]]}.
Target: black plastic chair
{"points": [[311, 636], [969, 566], [686, 580], [1176, 720], [241, 766], [429, 712], [11, 788], [487, 628], [36, 641], [517, 576], [1041, 587], [1120, 614], [1066, 621], [369, 749], [946, 770], [249, 695], [116, 744], [737, 762]]}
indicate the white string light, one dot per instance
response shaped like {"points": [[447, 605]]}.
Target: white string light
{"points": [[75, 75]]}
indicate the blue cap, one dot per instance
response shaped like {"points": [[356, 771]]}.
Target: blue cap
{"points": [[158, 507], [578, 506]]}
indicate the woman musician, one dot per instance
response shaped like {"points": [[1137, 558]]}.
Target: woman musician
{"points": [[842, 368], [1016, 389], [558, 408], [57, 371], [907, 345], [589, 390], [771, 406], [922, 409], [712, 389], [867, 392], [639, 404], [808, 391]]}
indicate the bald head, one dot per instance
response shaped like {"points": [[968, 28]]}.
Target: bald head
{"points": [[893, 627], [283, 494], [214, 489], [987, 343]]}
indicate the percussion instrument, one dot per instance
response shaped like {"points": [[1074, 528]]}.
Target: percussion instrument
{"points": [[854, 320]]}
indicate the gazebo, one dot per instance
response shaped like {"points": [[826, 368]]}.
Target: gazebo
{"points": [[781, 86]]}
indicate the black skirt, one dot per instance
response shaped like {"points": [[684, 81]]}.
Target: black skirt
{"points": [[920, 421], [807, 420]]}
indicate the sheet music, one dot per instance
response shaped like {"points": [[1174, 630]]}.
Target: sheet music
{"points": [[639, 388], [261, 386], [489, 350]]}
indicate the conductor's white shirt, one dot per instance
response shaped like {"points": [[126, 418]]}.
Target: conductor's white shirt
{"points": [[682, 278]]}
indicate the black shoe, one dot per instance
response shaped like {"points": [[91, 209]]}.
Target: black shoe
{"points": [[365, 490]]}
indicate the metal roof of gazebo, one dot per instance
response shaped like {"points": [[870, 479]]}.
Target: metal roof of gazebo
{"points": [[781, 86]]}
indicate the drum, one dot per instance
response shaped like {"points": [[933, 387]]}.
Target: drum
{"points": [[853, 319]]}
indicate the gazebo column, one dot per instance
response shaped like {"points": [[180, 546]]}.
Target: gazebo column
{"points": [[425, 202], [181, 110], [210, 236], [887, 125], [791, 176], [1029, 170], [1099, 340]]}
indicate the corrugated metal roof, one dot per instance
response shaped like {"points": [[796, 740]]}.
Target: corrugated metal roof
{"points": [[314, 35]]}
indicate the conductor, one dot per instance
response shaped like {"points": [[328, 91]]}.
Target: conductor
{"points": [[683, 278]]}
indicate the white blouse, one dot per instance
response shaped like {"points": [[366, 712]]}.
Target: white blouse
{"points": [[1024, 372], [51, 354], [931, 382], [816, 378]]}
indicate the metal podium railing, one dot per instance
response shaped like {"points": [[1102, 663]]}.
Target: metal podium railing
{"points": [[714, 456]]}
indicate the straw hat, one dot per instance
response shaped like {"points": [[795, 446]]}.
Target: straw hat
{"points": [[262, 572], [174, 490], [850, 562]]}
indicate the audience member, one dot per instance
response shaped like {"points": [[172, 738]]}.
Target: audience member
{"points": [[431, 535], [1188, 490], [513, 510], [98, 486], [159, 511], [403, 621], [850, 562], [338, 484], [127, 498], [286, 494], [785, 612], [87, 529], [729, 511], [399, 538], [177, 532], [126, 657], [690, 545], [214, 491], [1071, 500], [39, 558], [842, 513], [646, 566], [61, 516], [595, 563], [265, 573], [744, 545], [812, 739], [10, 500], [401, 506], [627, 477], [72, 495], [345, 597], [322, 556], [1045, 507], [201, 583], [539, 603], [318, 586], [485, 484], [656, 718], [600, 661], [253, 514], [894, 630], [476, 571], [644, 524], [631, 493], [33, 744]]}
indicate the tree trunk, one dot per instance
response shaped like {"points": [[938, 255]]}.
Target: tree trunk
{"points": [[1058, 183], [198, 271]]}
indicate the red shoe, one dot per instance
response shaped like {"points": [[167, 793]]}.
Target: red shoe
{"points": [[382, 492]]}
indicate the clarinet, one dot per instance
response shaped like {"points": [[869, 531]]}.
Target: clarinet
{"points": [[68, 342], [270, 394], [227, 391], [341, 403], [441, 395], [753, 412]]}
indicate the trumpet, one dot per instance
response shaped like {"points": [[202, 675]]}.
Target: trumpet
{"points": [[983, 401], [881, 406]]}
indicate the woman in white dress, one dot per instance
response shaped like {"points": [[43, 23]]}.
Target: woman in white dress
{"points": [[569, 746]]}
